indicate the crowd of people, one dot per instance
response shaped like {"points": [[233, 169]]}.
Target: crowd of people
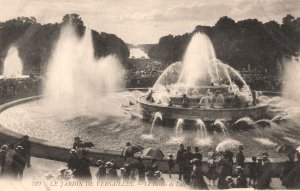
{"points": [[14, 87], [265, 83], [220, 171], [14, 158], [220, 168], [143, 72]]}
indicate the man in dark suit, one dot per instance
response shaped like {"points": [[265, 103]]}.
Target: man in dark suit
{"points": [[187, 168], [180, 160]]}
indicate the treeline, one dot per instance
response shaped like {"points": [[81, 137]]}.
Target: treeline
{"points": [[262, 46], [35, 41]]}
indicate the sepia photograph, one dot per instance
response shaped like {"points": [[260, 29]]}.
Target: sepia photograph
{"points": [[149, 95]]}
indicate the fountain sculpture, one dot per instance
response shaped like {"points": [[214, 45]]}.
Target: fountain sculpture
{"points": [[201, 87]]}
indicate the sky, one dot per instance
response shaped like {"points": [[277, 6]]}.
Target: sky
{"points": [[145, 21]]}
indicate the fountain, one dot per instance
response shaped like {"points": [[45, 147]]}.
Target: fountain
{"points": [[157, 115], [77, 82], [201, 128], [219, 125], [178, 127], [79, 101], [150, 136], [213, 89], [202, 137], [13, 66]]}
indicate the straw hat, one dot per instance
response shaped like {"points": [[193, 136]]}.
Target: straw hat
{"points": [[210, 154], [109, 164], [5, 147], [239, 168], [195, 160], [72, 151], [100, 162], [19, 148], [229, 179], [62, 170], [68, 173]]}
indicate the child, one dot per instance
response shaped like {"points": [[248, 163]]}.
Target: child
{"points": [[241, 181], [171, 164], [229, 182], [212, 169], [111, 172], [253, 171], [159, 180], [101, 173]]}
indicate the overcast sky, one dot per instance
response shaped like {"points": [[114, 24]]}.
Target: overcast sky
{"points": [[145, 21]]}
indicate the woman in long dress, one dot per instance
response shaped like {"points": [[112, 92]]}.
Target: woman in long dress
{"points": [[225, 170], [197, 180]]}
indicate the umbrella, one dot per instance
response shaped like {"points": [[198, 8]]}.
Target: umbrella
{"points": [[286, 149], [154, 153], [131, 150], [228, 144]]}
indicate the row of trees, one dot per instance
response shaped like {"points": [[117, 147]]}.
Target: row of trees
{"points": [[239, 44], [35, 41]]}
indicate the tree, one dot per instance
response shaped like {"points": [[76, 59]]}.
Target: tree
{"points": [[35, 42], [239, 44], [288, 19], [73, 19], [225, 23], [76, 21]]}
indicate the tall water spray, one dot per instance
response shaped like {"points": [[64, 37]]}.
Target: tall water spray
{"points": [[178, 127], [199, 68], [76, 78], [291, 88], [201, 128], [197, 61], [220, 124], [13, 66], [157, 115]]}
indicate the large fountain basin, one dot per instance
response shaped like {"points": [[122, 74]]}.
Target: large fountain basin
{"points": [[205, 114], [112, 132]]}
